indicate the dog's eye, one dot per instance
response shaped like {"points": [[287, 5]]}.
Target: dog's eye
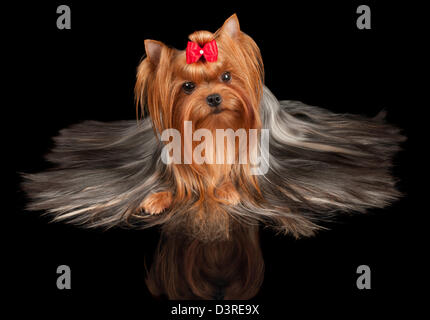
{"points": [[226, 76], [188, 87]]}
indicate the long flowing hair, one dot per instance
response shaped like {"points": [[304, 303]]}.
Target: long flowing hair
{"points": [[320, 164]]}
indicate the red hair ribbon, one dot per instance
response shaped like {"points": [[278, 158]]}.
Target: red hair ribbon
{"points": [[209, 51]]}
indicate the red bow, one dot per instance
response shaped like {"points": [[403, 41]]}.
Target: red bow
{"points": [[209, 51]]}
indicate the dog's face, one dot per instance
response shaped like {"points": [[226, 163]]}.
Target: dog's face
{"points": [[214, 95]]}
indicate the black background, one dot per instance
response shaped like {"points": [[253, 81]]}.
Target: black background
{"points": [[312, 52]]}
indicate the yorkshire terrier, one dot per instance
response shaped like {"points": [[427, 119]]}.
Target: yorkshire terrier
{"points": [[318, 163]]}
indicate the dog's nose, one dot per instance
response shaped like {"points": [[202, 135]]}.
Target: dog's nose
{"points": [[214, 100]]}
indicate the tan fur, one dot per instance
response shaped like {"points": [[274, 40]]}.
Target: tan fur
{"points": [[157, 202], [158, 87]]}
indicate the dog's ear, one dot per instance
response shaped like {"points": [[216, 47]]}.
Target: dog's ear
{"points": [[153, 51], [231, 26]]}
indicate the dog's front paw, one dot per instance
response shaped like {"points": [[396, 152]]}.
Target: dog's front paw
{"points": [[157, 202], [228, 193]]}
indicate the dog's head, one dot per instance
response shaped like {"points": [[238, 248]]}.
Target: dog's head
{"points": [[217, 92]]}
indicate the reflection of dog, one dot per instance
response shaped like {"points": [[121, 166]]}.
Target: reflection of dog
{"points": [[187, 268], [320, 163]]}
